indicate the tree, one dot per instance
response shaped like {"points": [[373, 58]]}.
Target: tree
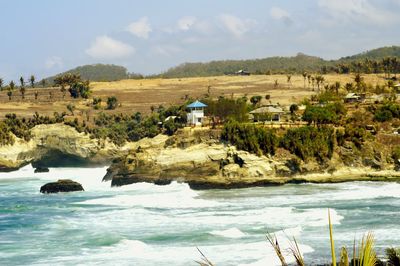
{"points": [[9, 94], [36, 95], [43, 83], [304, 77], [12, 85], [32, 81], [112, 103], [293, 108], [22, 82], [71, 108], [255, 99], [337, 87], [1, 84], [320, 80], [22, 91], [289, 78]]}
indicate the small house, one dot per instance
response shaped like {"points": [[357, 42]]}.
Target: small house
{"points": [[242, 73], [195, 117], [267, 113], [354, 98]]}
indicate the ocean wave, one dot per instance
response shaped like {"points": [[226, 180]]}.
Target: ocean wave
{"points": [[229, 233]]}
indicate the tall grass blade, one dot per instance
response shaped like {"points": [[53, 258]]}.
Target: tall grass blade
{"points": [[367, 252], [296, 253], [274, 243], [204, 260], [331, 238], [344, 257]]}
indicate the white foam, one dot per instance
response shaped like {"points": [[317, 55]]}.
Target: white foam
{"points": [[229, 233], [90, 178], [175, 195]]}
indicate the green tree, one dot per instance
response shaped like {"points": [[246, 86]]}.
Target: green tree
{"points": [[112, 103], [43, 83], [32, 81], [9, 94], [12, 85], [22, 81], [256, 99], [1, 84]]}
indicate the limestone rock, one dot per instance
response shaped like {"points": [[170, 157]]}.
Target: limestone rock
{"points": [[62, 185]]}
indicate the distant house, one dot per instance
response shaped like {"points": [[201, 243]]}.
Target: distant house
{"points": [[242, 73], [267, 113], [196, 115], [354, 98]]}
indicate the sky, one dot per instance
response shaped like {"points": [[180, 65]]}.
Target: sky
{"points": [[45, 37]]}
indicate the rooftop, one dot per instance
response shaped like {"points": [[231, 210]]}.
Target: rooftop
{"points": [[267, 109], [196, 104]]}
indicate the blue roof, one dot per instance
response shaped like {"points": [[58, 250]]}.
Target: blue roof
{"points": [[196, 104]]}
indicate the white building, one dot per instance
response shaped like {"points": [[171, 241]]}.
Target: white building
{"points": [[196, 115]]}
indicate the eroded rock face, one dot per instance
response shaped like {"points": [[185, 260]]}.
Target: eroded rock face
{"points": [[55, 145], [62, 185]]}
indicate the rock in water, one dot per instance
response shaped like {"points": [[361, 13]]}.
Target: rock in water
{"points": [[62, 185], [42, 170]]}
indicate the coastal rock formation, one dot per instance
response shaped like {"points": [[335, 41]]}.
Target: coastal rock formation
{"points": [[62, 185], [198, 158], [41, 170], [57, 145]]}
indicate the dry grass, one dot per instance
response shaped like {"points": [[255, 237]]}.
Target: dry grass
{"points": [[140, 95]]}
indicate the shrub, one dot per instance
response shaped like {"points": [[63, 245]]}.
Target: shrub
{"points": [[112, 103]]}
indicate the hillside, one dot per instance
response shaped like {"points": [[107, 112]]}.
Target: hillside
{"points": [[97, 72], [276, 65], [376, 54]]}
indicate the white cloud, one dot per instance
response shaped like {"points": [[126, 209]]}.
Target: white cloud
{"points": [[236, 26], [278, 13], [53, 61], [185, 23], [281, 14], [358, 10], [105, 47], [140, 28]]}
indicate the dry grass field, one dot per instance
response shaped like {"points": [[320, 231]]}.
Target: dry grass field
{"points": [[140, 95]]}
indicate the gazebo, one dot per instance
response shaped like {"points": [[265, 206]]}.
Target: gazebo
{"points": [[196, 115]]}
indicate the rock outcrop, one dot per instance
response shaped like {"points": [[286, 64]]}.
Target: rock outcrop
{"points": [[198, 158], [58, 145], [62, 185]]}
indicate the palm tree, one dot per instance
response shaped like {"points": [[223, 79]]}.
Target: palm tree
{"points": [[337, 87], [43, 83], [320, 80], [304, 77], [9, 93], [32, 81], [12, 85], [289, 77], [1, 84], [36, 95], [22, 91], [22, 81]]}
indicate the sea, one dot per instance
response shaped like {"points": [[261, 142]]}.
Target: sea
{"points": [[147, 224]]}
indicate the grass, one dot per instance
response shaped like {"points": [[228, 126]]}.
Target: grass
{"points": [[140, 95], [366, 255]]}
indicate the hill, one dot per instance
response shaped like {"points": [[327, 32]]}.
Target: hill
{"points": [[97, 72], [276, 65], [375, 54]]}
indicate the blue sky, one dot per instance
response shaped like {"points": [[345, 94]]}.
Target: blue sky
{"points": [[44, 37]]}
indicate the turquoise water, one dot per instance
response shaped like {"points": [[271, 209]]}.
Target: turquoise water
{"points": [[144, 224]]}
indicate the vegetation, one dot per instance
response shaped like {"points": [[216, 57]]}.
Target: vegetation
{"points": [[112, 103], [381, 60], [250, 138], [224, 109], [322, 115], [77, 87], [98, 72]]}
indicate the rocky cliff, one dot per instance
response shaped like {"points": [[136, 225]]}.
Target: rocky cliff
{"points": [[196, 156], [57, 145]]}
